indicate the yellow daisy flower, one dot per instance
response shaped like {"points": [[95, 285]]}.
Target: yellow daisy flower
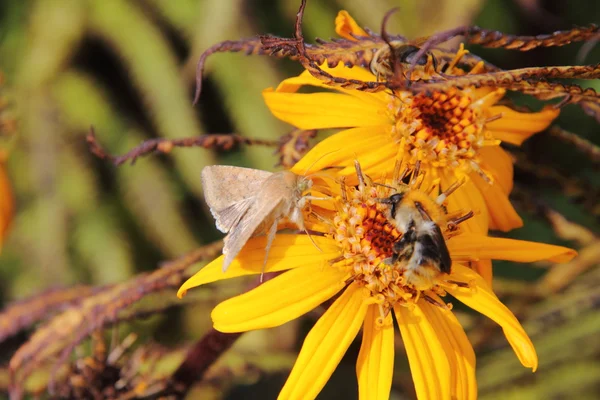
{"points": [[453, 134], [352, 265]]}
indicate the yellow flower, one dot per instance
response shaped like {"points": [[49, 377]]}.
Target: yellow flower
{"points": [[453, 134], [6, 202], [353, 264]]}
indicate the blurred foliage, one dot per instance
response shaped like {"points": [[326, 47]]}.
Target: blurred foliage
{"points": [[127, 68]]}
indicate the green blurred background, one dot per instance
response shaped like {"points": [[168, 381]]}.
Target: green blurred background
{"points": [[127, 67]]}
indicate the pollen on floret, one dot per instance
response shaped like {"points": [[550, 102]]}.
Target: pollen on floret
{"points": [[366, 235]]}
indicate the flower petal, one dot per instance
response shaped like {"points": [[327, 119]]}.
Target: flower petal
{"points": [[429, 365], [279, 300], [472, 246], [342, 149], [502, 214], [500, 164], [346, 26], [514, 127], [324, 110], [326, 344], [484, 268], [466, 198], [380, 99], [458, 350], [481, 298], [375, 365], [287, 252]]}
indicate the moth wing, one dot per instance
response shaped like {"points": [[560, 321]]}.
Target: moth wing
{"points": [[226, 185], [254, 217], [227, 218]]}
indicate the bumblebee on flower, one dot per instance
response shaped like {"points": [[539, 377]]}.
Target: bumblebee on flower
{"points": [[374, 272]]}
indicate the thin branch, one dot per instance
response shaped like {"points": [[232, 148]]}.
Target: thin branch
{"points": [[200, 357], [212, 141], [586, 147]]}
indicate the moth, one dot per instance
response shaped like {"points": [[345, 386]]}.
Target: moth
{"points": [[247, 202]]}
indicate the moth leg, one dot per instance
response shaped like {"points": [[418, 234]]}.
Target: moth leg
{"points": [[270, 238]]}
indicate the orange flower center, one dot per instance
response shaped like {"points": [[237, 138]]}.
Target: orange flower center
{"points": [[366, 233]]}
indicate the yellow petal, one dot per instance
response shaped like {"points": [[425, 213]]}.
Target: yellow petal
{"points": [[324, 110], [279, 300], [500, 164], [458, 350], [375, 365], [468, 245], [326, 344], [466, 198], [7, 205], [342, 149], [381, 99], [481, 298], [287, 252], [484, 268], [346, 26], [429, 365], [514, 127], [502, 214]]}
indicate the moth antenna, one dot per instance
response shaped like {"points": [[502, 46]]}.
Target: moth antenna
{"points": [[312, 240], [319, 159], [444, 195], [270, 238]]}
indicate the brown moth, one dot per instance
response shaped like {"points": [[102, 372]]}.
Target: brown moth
{"points": [[248, 202]]}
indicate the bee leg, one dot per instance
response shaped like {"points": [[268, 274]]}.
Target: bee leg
{"points": [[270, 237], [424, 213], [453, 223]]}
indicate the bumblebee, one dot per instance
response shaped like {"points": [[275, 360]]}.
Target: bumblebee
{"points": [[397, 57], [421, 252]]}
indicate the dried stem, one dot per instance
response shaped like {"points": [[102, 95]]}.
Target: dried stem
{"points": [[213, 141]]}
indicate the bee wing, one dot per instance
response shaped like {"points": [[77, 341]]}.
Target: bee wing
{"points": [[442, 248], [229, 192], [247, 225], [225, 185]]}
